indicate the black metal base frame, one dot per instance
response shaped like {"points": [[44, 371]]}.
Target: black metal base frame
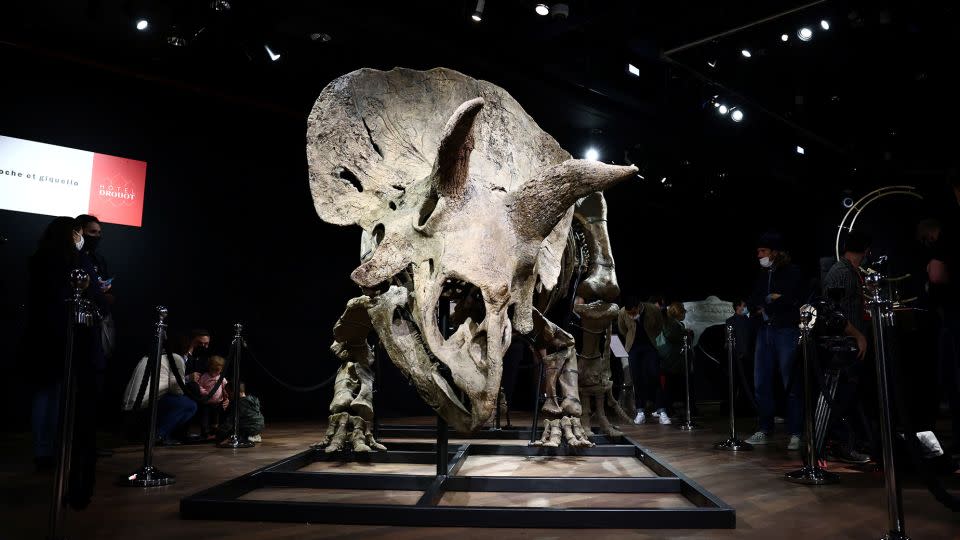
{"points": [[224, 501]]}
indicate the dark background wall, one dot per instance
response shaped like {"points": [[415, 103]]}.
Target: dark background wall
{"points": [[229, 232]]}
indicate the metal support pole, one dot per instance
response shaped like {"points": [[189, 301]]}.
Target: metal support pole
{"points": [[78, 315], [688, 425], [810, 473], [443, 438], [732, 443], [537, 401], [234, 440], [148, 475], [881, 315], [496, 413]]}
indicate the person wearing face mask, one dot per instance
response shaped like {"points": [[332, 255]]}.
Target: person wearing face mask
{"points": [[59, 251], [776, 301], [91, 229], [92, 232]]}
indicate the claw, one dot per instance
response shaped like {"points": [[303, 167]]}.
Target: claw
{"points": [[551, 434], [580, 433]]}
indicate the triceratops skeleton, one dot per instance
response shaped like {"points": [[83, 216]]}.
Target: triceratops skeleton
{"points": [[459, 194]]}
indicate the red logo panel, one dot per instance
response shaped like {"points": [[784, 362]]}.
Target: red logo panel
{"points": [[116, 189]]}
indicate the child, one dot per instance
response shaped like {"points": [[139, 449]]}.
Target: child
{"points": [[251, 419], [218, 399]]}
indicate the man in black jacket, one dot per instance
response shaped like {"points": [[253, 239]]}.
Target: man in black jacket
{"points": [[776, 299]]}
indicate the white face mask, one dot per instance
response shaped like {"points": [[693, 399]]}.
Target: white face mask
{"points": [[79, 244], [766, 262]]}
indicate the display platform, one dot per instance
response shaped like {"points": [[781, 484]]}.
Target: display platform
{"points": [[616, 485]]}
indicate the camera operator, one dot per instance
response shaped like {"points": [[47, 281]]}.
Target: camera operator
{"points": [[842, 284]]}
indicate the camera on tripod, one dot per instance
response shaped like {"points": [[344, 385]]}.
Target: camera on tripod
{"points": [[828, 330]]}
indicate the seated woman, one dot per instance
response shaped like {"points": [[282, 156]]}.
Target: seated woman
{"points": [[174, 409]]}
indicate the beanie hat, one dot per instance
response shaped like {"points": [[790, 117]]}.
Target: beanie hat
{"points": [[771, 240]]}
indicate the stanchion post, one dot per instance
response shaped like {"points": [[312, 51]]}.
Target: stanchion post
{"points": [[810, 473], [234, 440], [688, 425], [881, 315], [79, 314], [148, 475], [732, 443]]}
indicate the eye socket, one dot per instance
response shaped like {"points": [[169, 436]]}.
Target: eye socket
{"points": [[430, 212], [378, 233]]}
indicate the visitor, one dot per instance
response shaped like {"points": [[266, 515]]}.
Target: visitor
{"points": [[251, 419], [92, 231], [639, 325], [60, 251], [212, 397], [198, 351], [671, 356], [776, 300], [174, 409], [942, 270]]}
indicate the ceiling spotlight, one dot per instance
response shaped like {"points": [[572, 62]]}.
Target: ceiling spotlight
{"points": [[801, 150], [560, 10], [634, 70], [746, 53], [712, 63], [478, 12], [542, 9], [663, 180], [321, 37], [825, 24], [220, 5], [273, 56], [176, 39], [722, 109], [847, 202], [142, 24], [736, 115], [592, 154], [784, 38], [805, 34]]}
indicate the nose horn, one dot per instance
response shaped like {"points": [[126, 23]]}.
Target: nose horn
{"points": [[540, 203]]}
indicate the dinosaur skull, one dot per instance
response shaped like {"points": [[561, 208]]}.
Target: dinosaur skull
{"points": [[455, 186]]}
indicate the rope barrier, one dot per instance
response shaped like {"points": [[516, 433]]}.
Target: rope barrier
{"points": [[287, 385]]}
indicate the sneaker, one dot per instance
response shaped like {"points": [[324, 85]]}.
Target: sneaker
{"points": [[794, 443], [640, 418], [255, 438], [664, 419], [760, 437], [656, 413], [846, 454]]}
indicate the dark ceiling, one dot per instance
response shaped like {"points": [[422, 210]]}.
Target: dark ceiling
{"points": [[867, 97]]}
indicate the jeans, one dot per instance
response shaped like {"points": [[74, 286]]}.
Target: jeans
{"points": [[645, 371], [45, 420], [777, 347], [172, 412]]}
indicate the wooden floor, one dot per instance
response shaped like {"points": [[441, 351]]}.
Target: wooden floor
{"points": [[767, 506]]}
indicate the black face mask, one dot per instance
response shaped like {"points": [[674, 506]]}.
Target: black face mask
{"points": [[90, 242]]}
